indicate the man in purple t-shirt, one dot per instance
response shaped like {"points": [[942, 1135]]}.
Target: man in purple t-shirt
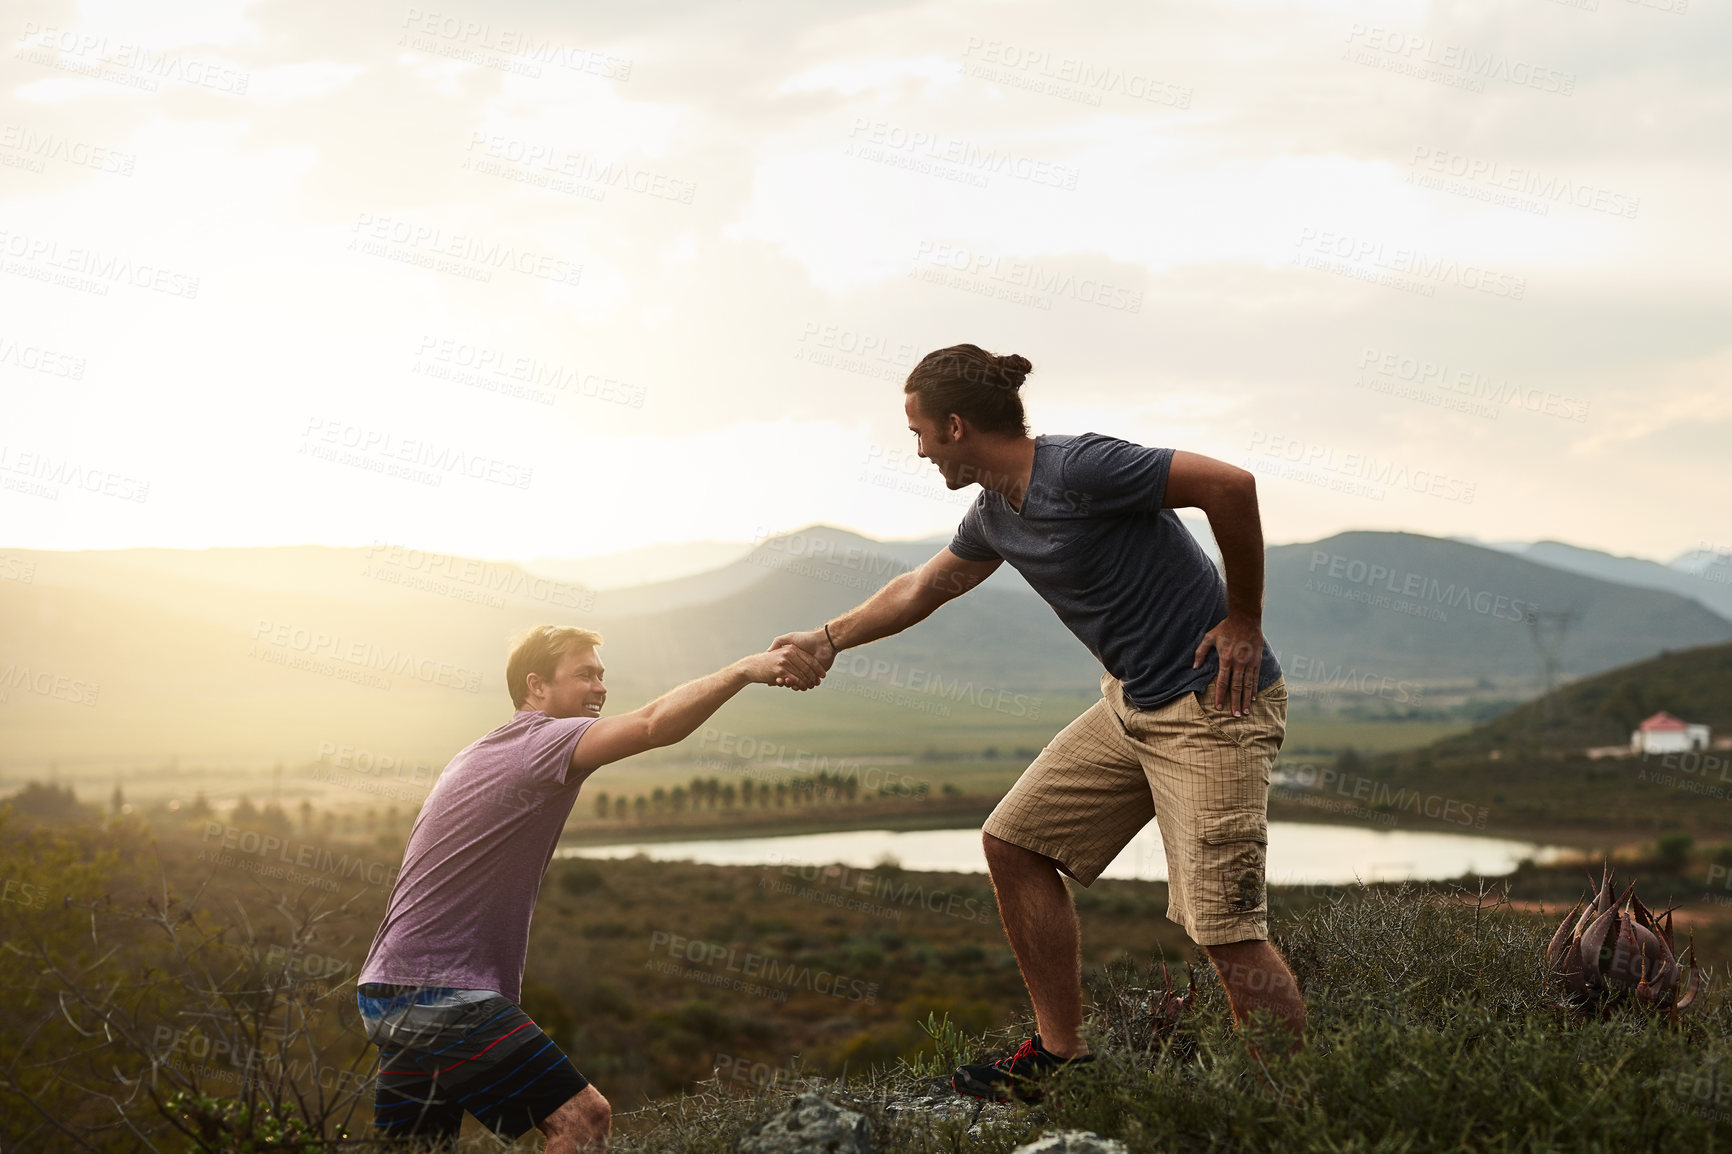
{"points": [[439, 990]]}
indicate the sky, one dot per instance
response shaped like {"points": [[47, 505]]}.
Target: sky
{"points": [[529, 279]]}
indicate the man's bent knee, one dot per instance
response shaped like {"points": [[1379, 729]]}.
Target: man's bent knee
{"points": [[585, 1117]]}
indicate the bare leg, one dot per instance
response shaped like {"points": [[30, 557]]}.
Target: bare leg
{"points": [[1257, 978], [583, 1123], [1040, 921]]}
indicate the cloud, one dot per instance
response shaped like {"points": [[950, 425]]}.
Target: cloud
{"points": [[773, 208], [306, 81]]}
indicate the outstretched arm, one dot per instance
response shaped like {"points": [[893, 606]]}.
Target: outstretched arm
{"points": [[904, 601], [674, 715], [1227, 494]]}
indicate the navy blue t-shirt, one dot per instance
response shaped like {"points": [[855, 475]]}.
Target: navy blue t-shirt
{"points": [[1121, 572]]}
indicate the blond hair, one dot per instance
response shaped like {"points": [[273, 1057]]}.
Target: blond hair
{"points": [[540, 652]]}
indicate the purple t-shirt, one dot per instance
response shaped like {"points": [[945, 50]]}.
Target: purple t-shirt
{"points": [[459, 913]]}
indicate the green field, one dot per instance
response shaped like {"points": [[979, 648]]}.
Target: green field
{"points": [[1321, 734], [837, 723], [975, 750]]}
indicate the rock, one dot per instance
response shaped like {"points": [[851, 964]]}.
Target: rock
{"points": [[812, 1125], [938, 1101], [1072, 1142]]}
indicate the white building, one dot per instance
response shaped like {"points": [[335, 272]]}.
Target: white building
{"points": [[1663, 733]]}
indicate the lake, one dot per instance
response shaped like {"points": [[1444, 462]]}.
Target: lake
{"points": [[1300, 853]]}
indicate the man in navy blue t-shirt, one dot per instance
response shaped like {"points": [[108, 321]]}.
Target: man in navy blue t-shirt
{"points": [[1193, 706]]}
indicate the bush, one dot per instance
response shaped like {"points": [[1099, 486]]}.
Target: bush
{"points": [[1674, 848], [50, 803]]}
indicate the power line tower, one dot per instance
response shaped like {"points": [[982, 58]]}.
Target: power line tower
{"points": [[1548, 629]]}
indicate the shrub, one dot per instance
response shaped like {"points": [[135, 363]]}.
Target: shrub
{"points": [[1674, 848]]}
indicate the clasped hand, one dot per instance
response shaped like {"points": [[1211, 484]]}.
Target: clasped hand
{"points": [[815, 645]]}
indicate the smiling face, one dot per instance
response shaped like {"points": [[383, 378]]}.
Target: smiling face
{"points": [[938, 441], [576, 689]]}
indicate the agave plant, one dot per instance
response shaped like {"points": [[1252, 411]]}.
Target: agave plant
{"points": [[1608, 949]]}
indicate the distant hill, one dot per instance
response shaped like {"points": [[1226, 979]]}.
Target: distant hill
{"points": [[257, 654], [1694, 684], [274, 654], [1425, 609], [745, 566], [762, 560], [1708, 580], [1712, 565], [999, 633], [631, 567]]}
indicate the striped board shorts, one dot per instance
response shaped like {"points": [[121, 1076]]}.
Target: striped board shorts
{"points": [[444, 1051], [1200, 773]]}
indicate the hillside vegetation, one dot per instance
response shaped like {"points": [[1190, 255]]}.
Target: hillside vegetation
{"points": [[1528, 771], [1694, 684]]}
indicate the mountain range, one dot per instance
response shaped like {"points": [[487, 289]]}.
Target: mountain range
{"points": [[256, 655]]}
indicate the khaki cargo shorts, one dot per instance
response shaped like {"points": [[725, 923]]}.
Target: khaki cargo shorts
{"points": [[1202, 774]]}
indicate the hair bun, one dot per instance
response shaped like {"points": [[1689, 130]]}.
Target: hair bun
{"points": [[1015, 368]]}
